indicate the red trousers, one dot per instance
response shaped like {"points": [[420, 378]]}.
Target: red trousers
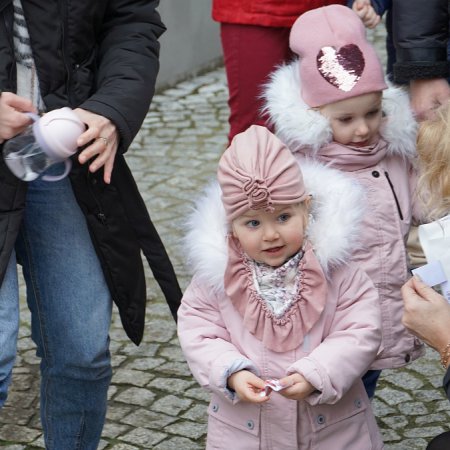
{"points": [[251, 53]]}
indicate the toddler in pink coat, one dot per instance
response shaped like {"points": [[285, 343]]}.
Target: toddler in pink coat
{"points": [[332, 105], [276, 305]]}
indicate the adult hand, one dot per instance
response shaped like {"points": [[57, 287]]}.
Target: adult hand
{"points": [[103, 139], [427, 95], [12, 118], [247, 386], [298, 388], [426, 314]]}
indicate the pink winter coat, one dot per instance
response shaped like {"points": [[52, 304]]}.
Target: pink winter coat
{"points": [[332, 356], [388, 183]]}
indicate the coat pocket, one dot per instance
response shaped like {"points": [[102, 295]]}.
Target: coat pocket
{"points": [[82, 79], [233, 426], [349, 424]]}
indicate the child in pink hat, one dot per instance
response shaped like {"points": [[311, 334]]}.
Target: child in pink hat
{"points": [[332, 105], [277, 323]]}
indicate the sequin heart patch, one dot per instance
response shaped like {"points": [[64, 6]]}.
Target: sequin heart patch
{"points": [[343, 67]]}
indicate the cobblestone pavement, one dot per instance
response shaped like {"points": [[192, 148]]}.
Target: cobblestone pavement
{"points": [[153, 401]]}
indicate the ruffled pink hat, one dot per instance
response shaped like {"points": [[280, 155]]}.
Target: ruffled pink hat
{"points": [[336, 61], [258, 171]]}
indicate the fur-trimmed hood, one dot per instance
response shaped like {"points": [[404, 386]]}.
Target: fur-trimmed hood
{"points": [[300, 126], [336, 210]]}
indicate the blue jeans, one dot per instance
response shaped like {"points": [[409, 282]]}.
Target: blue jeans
{"points": [[70, 308], [9, 326]]}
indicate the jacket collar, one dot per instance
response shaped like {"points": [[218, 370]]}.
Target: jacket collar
{"points": [[298, 125], [336, 213]]}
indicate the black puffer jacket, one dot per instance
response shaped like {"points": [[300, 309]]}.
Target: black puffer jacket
{"points": [[420, 29], [101, 56]]}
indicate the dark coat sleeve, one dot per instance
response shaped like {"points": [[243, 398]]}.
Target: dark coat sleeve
{"points": [[447, 383], [127, 65], [420, 30], [381, 6]]}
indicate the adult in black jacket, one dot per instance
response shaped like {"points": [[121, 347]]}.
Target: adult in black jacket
{"points": [[79, 240], [420, 30]]}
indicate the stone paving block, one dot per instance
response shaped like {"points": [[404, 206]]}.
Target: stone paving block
{"points": [[172, 385], [423, 432], [179, 443], [441, 405], [13, 447], [407, 380], [117, 360], [30, 357], [39, 442], [112, 430], [136, 396], [117, 411], [15, 433], [413, 409], [21, 399], [148, 419], [389, 435], [428, 395], [198, 413], [175, 368], [143, 437], [198, 394], [173, 353], [187, 428], [392, 396], [171, 405], [395, 422], [102, 444], [133, 377], [430, 419], [123, 447]]}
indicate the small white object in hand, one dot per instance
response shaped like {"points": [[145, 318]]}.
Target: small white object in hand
{"points": [[272, 385]]}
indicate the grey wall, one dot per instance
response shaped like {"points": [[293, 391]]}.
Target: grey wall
{"points": [[191, 43]]}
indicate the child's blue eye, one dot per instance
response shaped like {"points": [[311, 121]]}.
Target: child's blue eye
{"points": [[345, 119], [283, 217], [373, 113], [252, 223]]}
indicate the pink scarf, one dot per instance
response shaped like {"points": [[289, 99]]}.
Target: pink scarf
{"points": [[350, 159], [286, 331]]}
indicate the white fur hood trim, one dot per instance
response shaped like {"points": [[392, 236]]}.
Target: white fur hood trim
{"points": [[297, 125], [337, 211]]}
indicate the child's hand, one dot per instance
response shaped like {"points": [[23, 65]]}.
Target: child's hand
{"points": [[12, 119], [366, 13], [247, 386], [298, 388]]}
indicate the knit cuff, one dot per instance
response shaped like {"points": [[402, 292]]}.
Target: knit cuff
{"points": [[405, 72]]}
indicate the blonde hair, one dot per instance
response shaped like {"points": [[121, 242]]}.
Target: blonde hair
{"points": [[433, 149]]}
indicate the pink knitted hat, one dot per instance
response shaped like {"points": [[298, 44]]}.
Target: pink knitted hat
{"points": [[258, 171], [336, 61]]}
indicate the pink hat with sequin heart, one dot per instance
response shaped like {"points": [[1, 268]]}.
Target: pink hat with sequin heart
{"points": [[336, 61], [258, 171]]}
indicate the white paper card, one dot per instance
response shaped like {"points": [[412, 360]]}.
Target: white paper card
{"points": [[435, 241], [431, 273]]}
